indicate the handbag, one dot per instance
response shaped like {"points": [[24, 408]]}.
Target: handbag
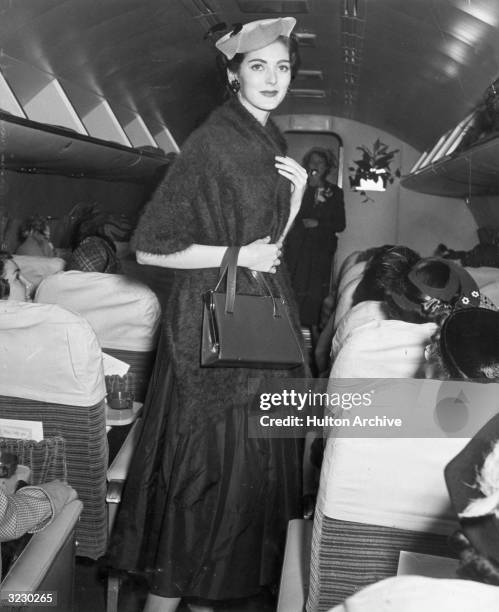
{"points": [[250, 331]]}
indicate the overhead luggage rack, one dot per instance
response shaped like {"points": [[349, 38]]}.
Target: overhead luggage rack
{"points": [[474, 171], [30, 146]]}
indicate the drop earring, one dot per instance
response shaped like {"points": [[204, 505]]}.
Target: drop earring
{"points": [[235, 86]]}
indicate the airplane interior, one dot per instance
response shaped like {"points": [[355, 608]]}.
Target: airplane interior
{"points": [[110, 109]]}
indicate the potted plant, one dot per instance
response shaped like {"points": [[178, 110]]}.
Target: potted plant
{"points": [[372, 172]]}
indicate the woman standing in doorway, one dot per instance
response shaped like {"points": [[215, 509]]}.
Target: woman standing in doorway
{"points": [[206, 505], [312, 241]]}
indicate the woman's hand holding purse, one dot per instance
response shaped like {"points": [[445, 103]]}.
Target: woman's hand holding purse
{"points": [[260, 255]]}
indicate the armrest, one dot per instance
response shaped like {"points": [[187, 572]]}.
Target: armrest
{"points": [[36, 559], [117, 473], [293, 589], [118, 469]]}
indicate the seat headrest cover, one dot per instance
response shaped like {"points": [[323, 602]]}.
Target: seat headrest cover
{"points": [[49, 354], [360, 314], [483, 275], [355, 272], [124, 314], [345, 300], [384, 349], [35, 269]]}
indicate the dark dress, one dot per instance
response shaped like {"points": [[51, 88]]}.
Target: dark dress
{"points": [[206, 506], [309, 251]]}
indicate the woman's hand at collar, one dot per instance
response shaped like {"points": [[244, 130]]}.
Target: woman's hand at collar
{"points": [[297, 175]]}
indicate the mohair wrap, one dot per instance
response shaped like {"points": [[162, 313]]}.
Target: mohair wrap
{"points": [[224, 190]]}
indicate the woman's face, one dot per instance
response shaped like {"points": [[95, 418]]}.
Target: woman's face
{"points": [[264, 76], [19, 286], [317, 170]]}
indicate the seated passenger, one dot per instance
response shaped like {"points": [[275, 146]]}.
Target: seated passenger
{"points": [[384, 271], [467, 347], [13, 286], [93, 249], [35, 233], [379, 496], [32, 508], [482, 254], [382, 274], [431, 289]]}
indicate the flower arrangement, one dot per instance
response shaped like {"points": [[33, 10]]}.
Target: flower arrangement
{"points": [[372, 171]]}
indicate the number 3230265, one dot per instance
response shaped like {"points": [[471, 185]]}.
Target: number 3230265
{"points": [[33, 598]]}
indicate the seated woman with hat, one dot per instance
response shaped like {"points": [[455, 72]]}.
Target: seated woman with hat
{"points": [[93, 249], [380, 496], [383, 275], [432, 289]]}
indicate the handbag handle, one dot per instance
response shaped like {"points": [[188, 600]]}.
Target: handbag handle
{"points": [[228, 266]]}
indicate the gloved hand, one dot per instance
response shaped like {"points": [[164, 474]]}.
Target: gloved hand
{"points": [[59, 494]]}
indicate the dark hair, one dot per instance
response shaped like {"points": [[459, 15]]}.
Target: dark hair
{"points": [[368, 254], [234, 64], [328, 156], [4, 283], [384, 273], [35, 223]]}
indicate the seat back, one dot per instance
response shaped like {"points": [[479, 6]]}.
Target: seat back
{"points": [[51, 372], [346, 290], [35, 269], [389, 491], [483, 275], [378, 349], [355, 271], [124, 314], [383, 349], [360, 314], [347, 263]]}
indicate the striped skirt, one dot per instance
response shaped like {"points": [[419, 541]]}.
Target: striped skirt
{"points": [[348, 556]]}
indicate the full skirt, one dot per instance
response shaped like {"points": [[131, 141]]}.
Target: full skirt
{"points": [[205, 511]]}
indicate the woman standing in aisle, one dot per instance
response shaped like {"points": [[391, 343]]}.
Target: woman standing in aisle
{"points": [[206, 506], [312, 241]]}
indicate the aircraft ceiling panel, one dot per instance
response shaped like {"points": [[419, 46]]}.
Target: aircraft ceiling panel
{"points": [[412, 68]]}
